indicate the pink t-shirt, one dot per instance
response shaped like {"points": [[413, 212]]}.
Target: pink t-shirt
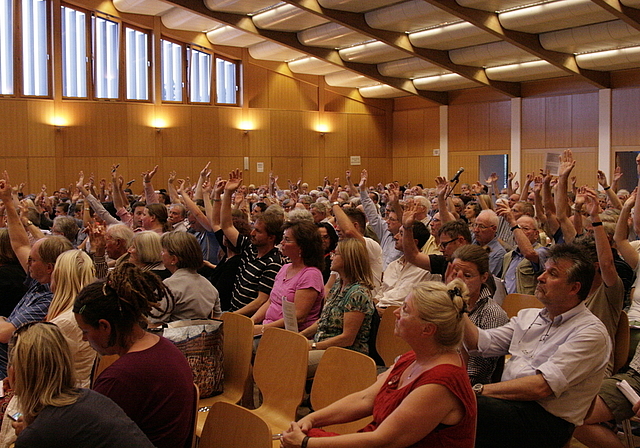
{"points": [[308, 277]]}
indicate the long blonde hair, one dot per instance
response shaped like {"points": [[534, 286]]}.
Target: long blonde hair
{"points": [[357, 267], [72, 272], [43, 373]]}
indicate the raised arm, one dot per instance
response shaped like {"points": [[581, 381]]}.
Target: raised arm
{"points": [[510, 178], [610, 192], [578, 207], [617, 174], [193, 207], [605, 255], [621, 235], [171, 188], [17, 233], [149, 192], [441, 190], [411, 252], [217, 192], [525, 246], [204, 175], [525, 187], [226, 222], [346, 226], [567, 163]]}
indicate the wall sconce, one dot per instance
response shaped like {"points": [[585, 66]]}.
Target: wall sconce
{"points": [[246, 126], [59, 123], [322, 129], [159, 124]]}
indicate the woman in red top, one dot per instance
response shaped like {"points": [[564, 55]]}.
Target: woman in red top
{"points": [[423, 400]]}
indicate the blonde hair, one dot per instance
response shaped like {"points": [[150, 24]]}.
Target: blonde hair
{"points": [[148, 246], [356, 262], [442, 305], [43, 369], [73, 270]]}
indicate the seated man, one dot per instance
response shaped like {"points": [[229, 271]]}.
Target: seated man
{"points": [[38, 260], [484, 231], [401, 276], [558, 358]]}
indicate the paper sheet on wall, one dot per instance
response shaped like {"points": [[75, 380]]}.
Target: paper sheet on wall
{"points": [[289, 314]]}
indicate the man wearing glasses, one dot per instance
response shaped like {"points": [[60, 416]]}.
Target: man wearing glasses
{"points": [[484, 231], [558, 359]]}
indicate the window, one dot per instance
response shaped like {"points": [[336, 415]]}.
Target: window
{"points": [[199, 76], [105, 56], [137, 64], [35, 48], [171, 71], [74, 53], [6, 47], [226, 81]]}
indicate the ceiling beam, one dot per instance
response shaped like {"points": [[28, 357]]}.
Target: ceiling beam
{"points": [[630, 16], [400, 41], [290, 40], [489, 21]]}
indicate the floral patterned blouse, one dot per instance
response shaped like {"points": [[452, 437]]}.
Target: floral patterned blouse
{"points": [[354, 297]]}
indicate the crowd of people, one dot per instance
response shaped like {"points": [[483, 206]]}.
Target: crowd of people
{"points": [[104, 263]]}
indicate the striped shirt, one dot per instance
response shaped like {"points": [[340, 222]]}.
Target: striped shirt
{"points": [[255, 275]]}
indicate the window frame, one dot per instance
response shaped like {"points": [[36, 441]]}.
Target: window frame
{"points": [[94, 90], [183, 71], [125, 62], [238, 70], [18, 55], [14, 48], [190, 49], [89, 53]]}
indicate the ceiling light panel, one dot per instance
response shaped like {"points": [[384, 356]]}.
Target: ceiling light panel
{"points": [[448, 37], [590, 38], [330, 35], [489, 55], [238, 6], [356, 5], [408, 16], [287, 18], [371, 53]]}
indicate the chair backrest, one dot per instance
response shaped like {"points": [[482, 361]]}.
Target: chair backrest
{"points": [[342, 372], [280, 371], [231, 426], [192, 443], [621, 343], [515, 302], [238, 348], [388, 345]]}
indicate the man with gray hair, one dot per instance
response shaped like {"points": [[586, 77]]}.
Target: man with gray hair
{"points": [[484, 231], [177, 216]]}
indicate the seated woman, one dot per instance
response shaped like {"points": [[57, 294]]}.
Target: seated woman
{"points": [[299, 282], [424, 399], [145, 253], [471, 265], [194, 296], [54, 412], [72, 272], [151, 381], [329, 238], [346, 316]]}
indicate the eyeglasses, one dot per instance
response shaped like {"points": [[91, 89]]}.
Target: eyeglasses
{"points": [[444, 244], [481, 226]]}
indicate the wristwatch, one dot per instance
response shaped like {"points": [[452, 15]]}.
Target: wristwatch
{"points": [[335, 203], [478, 388], [314, 346]]}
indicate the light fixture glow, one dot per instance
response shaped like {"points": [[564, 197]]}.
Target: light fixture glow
{"points": [[159, 123], [322, 129], [246, 126]]}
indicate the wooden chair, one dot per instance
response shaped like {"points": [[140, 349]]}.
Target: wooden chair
{"points": [[621, 343], [101, 363], [280, 372], [238, 346], [193, 443], [515, 302], [342, 372], [388, 345], [231, 426]]}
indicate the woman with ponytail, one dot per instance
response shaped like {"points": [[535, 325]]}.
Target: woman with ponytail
{"points": [[424, 399], [151, 381]]}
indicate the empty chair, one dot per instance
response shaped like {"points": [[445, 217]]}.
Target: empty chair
{"points": [[515, 302], [238, 345], [388, 345], [231, 426], [280, 372], [342, 372]]}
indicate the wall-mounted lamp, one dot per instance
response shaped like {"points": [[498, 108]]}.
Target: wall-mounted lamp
{"points": [[322, 129], [159, 124], [246, 126], [59, 123]]}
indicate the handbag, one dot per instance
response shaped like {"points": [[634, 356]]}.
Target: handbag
{"points": [[201, 342]]}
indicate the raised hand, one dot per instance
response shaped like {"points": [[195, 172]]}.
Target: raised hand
{"points": [[567, 163], [602, 179], [172, 176], [148, 175], [363, 180], [408, 215], [441, 185], [617, 174], [234, 182], [206, 172]]}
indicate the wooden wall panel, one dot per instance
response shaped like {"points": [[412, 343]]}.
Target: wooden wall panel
{"points": [[533, 123], [367, 135], [284, 92], [287, 130], [311, 141], [431, 125], [558, 122], [14, 127], [204, 130], [478, 126], [458, 128], [468, 160], [584, 123], [415, 133], [231, 138], [586, 166], [41, 133], [260, 137], [256, 86], [401, 133], [337, 166], [141, 138], [18, 170], [336, 141], [41, 170], [500, 125], [625, 115], [176, 138], [312, 170], [286, 168], [110, 124]]}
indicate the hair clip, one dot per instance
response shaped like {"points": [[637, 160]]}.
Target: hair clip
{"points": [[454, 292]]}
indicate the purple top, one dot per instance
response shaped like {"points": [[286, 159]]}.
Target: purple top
{"points": [[306, 278]]}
